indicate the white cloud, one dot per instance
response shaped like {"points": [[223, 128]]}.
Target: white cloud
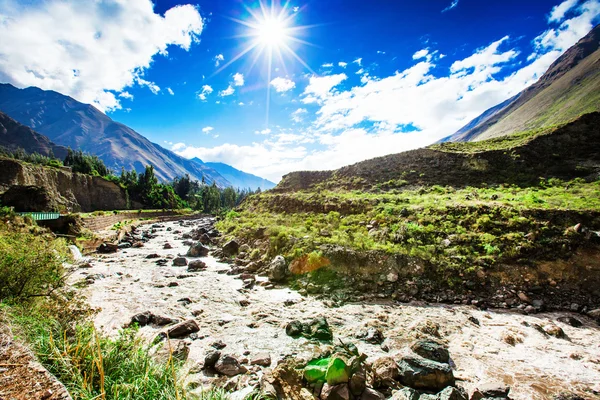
{"points": [[218, 59], [207, 129], [227, 92], [408, 109], [358, 61], [296, 9], [171, 92], [126, 95], [451, 6], [241, 103], [558, 12], [343, 64], [420, 54], [154, 88], [327, 65], [178, 146], [89, 50], [282, 85], [238, 79], [206, 90], [297, 116], [320, 86], [263, 132]]}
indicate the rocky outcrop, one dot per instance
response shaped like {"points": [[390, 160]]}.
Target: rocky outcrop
{"points": [[59, 188]]}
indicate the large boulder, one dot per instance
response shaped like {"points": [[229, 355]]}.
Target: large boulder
{"points": [[183, 329], [451, 393], [421, 373], [495, 390], [277, 269], [431, 350], [180, 262], [317, 328], [406, 394], [196, 265], [231, 248], [385, 372], [284, 382], [229, 365], [335, 392], [197, 250], [371, 394]]}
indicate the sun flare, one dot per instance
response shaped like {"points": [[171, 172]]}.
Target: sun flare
{"points": [[271, 32]]}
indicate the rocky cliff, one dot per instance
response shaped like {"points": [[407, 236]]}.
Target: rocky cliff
{"points": [[35, 188]]}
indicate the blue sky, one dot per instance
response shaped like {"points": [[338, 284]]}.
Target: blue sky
{"points": [[368, 78]]}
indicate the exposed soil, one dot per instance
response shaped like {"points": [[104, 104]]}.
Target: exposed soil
{"points": [[503, 346]]}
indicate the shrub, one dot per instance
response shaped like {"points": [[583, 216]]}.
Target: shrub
{"points": [[30, 265]]}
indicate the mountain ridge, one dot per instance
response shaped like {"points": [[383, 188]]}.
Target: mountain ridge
{"points": [[238, 178], [14, 135], [70, 123], [568, 88]]}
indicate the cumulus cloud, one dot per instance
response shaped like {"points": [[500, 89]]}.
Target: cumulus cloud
{"points": [[238, 79], [178, 146], [263, 132], [298, 115], [91, 51], [203, 94], [282, 85], [218, 59], [227, 92], [420, 54], [343, 64], [321, 86], [126, 95], [411, 108], [207, 129], [558, 12]]}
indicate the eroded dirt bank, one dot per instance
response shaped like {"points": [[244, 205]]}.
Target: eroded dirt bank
{"points": [[484, 346]]}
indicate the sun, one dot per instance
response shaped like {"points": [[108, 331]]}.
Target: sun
{"points": [[271, 31]]}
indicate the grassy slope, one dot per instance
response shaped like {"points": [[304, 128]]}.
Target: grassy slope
{"points": [[574, 94]]}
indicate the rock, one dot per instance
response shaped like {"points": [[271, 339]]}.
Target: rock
{"points": [[219, 345], [574, 322], [421, 373], [284, 382], [185, 301], [336, 392], [474, 320], [196, 265], [197, 250], [371, 394], [385, 372], [523, 297], [142, 319], [373, 336], [358, 382], [495, 390], [177, 349], [337, 372], [180, 262], [555, 330], [173, 284], [451, 393], [124, 245], [205, 239], [431, 350], [294, 329], [183, 329], [594, 314], [152, 255], [406, 394], [162, 320], [106, 248], [211, 358], [277, 269], [229, 365], [167, 246], [230, 248], [262, 359]]}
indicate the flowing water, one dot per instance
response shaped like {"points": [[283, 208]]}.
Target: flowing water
{"points": [[535, 365]]}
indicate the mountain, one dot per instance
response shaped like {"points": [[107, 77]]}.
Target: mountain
{"points": [[14, 135], [568, 89], [81, 126], [239, 179]]}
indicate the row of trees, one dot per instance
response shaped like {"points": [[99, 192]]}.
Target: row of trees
{"points": [[145, 187]]}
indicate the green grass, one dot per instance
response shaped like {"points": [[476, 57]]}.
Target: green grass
{"points": [[501, 143], [460, 230]]}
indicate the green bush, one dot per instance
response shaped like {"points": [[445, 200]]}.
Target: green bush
{"points": [[30, 265]]}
